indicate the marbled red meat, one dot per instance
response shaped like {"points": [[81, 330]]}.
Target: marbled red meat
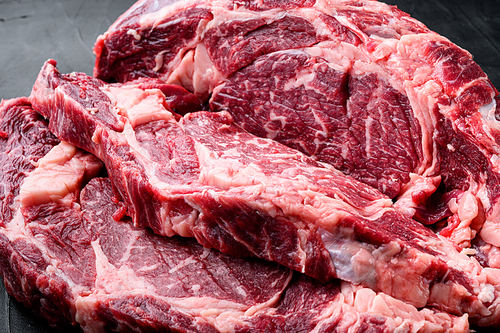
{"points": [[63, 255], [396, 188], [202, 176], [365, 88]]}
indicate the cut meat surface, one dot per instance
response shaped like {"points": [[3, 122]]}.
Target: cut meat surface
{"points": [[182, 32], [365, 88], [305, 108], [71, 262], [202, 176], [17, 113], [177, 279]]}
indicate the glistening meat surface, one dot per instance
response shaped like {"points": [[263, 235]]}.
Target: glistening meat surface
{"points": [[359, 85], [64, 256], [202, 176]]}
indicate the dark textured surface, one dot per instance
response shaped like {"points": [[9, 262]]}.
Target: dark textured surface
{"points": [[33, 31]]}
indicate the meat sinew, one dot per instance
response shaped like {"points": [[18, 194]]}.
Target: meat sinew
{"points": [[202, 176], [356, 84], [65, 256]]}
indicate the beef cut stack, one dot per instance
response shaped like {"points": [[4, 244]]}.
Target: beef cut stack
{"points": [[257, 166]]}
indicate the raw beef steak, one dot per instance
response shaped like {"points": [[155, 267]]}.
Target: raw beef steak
{"points": [[357, 84], [202, 176], [63, 255]]}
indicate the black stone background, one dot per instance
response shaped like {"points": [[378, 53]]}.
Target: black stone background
{"points": [[34, 31]]}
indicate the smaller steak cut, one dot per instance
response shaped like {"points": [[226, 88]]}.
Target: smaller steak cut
{"points": [[63, 255], [202, 176]]}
